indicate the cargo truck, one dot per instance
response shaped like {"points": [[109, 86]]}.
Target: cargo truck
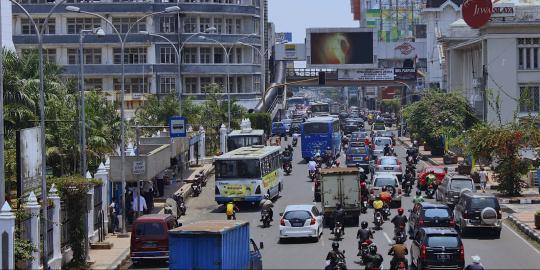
{"points": [[213, 244], [340, 185]]}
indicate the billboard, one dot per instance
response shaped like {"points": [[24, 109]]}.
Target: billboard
{"points": [[339, 48], [283, 37], [29, 161], [374, 74], [290, 52]]}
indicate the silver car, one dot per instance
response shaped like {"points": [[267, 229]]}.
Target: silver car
{"points": [[451, 187], [378, 145], [388, 164]]}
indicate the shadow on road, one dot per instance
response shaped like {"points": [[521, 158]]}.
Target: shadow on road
{"points": [[296, 241]]}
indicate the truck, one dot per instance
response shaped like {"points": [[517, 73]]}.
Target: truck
{"points": [[340, 185], [214, 244]]}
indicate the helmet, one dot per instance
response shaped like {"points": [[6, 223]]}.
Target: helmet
{"points": [[476, 259], [360, 169], [363, 184], [318, 154], [400, 211], [373, 249], [335, 245], [418, 193], [386, 145], [266, 196], [364, 224]]}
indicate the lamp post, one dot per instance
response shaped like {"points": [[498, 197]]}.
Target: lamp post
{"points": [[39, 34], [171, 9], [100, 33]]}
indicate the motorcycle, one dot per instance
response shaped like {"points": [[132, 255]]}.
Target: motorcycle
{"points": [[287, 168], [294, 141], [407, 187], [399, 234], [378, 220], [312, 175], [386, 212], [364, 205], [329, 162], [430, 191], [338, 231], [364, 251], [341, 265], [180, 204], [400, 265], [196, 189], [265, 218]]}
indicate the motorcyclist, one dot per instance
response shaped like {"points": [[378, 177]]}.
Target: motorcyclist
{"points": [[361, 174], [399, 221], [364, 193], [475, 265], [374, 259], [318, 158], [266, 205], [334, 256], [230, 211], [312, 166], [408, 181], [339, 216], [363, 235], [387, 150], [378, 205], [418, 198], [430, 179], [386, 197], [328, 154], [398, 251]]}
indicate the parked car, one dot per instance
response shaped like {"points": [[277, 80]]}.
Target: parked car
{"points": [[437, 170], [298, 221], [451, 187], [384, 179], [358, 156], [427, 214], [150, 237], [388, 164], [478, 210], [437, 248], [378, 145], [279, 129]]}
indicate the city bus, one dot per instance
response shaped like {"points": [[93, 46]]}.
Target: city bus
{"points": [[293, 101], [245, 137], [248, 173], [319, 109], [318, 133]]}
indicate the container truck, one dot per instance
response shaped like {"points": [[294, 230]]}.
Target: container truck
{"points": [[340, 185]]}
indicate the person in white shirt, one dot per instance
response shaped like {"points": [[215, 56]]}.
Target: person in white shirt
{"points": [[312, 165], [139, 201], [483, 178]]}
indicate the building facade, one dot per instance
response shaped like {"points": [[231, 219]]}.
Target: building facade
{"points": [[234, 32]]}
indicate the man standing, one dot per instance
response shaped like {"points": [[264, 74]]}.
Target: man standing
{"points": [[139, 204], [483, 178]]}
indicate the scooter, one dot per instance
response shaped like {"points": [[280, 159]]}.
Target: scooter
{"points": [[196, 188], [265, 218], [312, 175], [407, 187], [180, 204], [338, 231], [287, 168], [294, 141], [386, 212], [364, 206], [378, 220], [364, 251], [430, 191]]}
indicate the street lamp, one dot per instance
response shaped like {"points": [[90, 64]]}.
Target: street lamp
{"points": [[99, 33], [39, 34], [171, 9]]}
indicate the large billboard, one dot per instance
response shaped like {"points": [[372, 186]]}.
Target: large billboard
{"points": [[339, 48], [29, 161]]}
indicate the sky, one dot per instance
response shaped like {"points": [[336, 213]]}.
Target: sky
{"points": [[297, 15]]}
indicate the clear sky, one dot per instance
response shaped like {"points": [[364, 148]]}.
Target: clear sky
{"points": [[297, 15]]}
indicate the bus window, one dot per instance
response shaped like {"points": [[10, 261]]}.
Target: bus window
{"points": [[238, 169], [315, 128]]}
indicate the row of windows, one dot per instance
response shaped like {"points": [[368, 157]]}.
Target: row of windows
{"points": [[233, 2], [237, 84], [528, 56], [223, 24], [270, 163]]}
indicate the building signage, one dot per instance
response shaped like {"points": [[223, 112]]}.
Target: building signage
{"points": [[283, 37], [476, 13], [405, 73], [375, 74], [290, 52], [503, 10], [177, 126], [139, 167], [405, 48]]}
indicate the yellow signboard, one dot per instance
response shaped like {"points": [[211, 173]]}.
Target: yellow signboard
{"points": [[270, 179], [237, 190]]}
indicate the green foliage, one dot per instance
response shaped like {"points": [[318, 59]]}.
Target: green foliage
{"points": [[439, 114], [390, 105], [23, 248], [260, 120]]}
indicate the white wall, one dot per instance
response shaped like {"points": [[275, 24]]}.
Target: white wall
{"points": [[7, 25]]}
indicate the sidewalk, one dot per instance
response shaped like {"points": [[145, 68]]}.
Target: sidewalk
{"points": [[114, 257]]}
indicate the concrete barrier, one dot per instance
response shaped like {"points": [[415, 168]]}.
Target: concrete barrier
{"points": [[530, 232]]}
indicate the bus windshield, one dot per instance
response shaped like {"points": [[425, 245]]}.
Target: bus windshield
{"points": [[319, 108], [236, 169], [316, 128], [235, 142]]}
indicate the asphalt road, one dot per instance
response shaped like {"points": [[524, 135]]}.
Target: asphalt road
{"points": [[508, 252]]}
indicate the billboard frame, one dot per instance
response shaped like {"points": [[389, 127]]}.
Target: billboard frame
{"points": [[309, 31]]}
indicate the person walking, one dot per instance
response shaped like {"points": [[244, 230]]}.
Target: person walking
{"points": [[483, 179]]}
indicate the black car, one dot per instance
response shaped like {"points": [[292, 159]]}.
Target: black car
{"points": [[426, 214], [350, 128], [478, 210], [295, 127], [437, 248]]}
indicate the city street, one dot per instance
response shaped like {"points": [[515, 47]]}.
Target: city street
{"points": [[304, 254]]}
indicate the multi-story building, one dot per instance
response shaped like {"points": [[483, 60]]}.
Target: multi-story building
{"points": [[150, 62]]}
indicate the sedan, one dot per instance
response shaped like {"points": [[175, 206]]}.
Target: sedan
{"points": [[358, 156], [388, 164], [299, 221], [427, 214], [387, 180]]}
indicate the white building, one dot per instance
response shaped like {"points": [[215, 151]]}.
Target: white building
{"points": [[500, 61], [5, 25]]}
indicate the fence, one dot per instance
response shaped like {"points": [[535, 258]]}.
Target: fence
{"points": [[64, 228], [50, 225], [98, 204]]}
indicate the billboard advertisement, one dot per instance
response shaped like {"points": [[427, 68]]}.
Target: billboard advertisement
{"points": [[283, 37], [340, 48], [29, 161], [290, 52]]}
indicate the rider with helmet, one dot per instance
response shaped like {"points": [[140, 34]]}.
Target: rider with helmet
{"points": [[398, 251], [363, 235], [374, 259], [387, 150], [339, 216], [386, 197], [334, 256], [266, 205], [399, 221], [418, 198], [378, 205]]}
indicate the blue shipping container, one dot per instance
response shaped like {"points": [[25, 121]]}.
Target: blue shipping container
{"points": [[217, 244]]}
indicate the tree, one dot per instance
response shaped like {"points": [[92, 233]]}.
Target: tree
{"points": [[261, 120], [390, 105]]}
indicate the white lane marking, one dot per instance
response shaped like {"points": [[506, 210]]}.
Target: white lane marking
{"points": [[388, 238], [520, 237]]}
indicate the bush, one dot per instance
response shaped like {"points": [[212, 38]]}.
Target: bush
{"points": [[260, 121]]}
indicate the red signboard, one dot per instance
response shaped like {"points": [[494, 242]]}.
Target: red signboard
{"points": [[476, 13]]}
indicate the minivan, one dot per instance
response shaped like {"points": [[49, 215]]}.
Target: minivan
{"points": [[150, 237], [279, 129]]}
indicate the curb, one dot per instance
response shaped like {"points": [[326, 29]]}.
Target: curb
{"points": [[118, 261], [520, 201], [525, 228]]}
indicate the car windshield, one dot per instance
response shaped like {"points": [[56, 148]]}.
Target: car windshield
{"points": [[443, 241], [297, 214], [357, 151], [382, 182], [295, 125], [389, 161], [315, 128], [378, 126], [147, 229], [459, 184], [481, 203], [230, 169], [436, 213], [383, 142]]}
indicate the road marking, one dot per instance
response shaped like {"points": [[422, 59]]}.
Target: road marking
{"points": [[388, 238], [520, 237]]}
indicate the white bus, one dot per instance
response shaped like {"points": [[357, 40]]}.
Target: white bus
{"points": [[245, 138], [248, 173]]}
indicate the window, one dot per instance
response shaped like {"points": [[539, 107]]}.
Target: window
{"points": [[167, 85], [204, 24], [237, 169], [218, 24], [529, 99], [388, 161], [239, 84], [191, 85], [205, 82], [167, 55], [383, 182], [206, 54], [167, 24], [256, 56], [91, 56], [298, 215], [75, 25], [123, 24], [528, 53], [219, 55], [238, 26], [131, 55], [256, 26], [133, 85], [190, 25], [460, 184], [483, 202], [315, 128], [238, 55], [190, 55], [93, 83], [229, 26], [256, 83], [49, 55], [358, 151], [219, 81], [27, 28], [443, 241], [436, 213], [150, 229]]}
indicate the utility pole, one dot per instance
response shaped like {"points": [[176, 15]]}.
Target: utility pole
{"points": [[2, 178]]}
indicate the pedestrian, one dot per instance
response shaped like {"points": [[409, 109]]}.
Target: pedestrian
{"points": [[139, 204], [483, 178], [113, 214]]}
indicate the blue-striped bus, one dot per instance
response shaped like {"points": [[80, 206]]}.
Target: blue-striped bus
{"points": [[318, 133]]}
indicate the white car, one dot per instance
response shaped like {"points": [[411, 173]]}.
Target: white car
{"points": [[385, 179], [299, 221]]}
